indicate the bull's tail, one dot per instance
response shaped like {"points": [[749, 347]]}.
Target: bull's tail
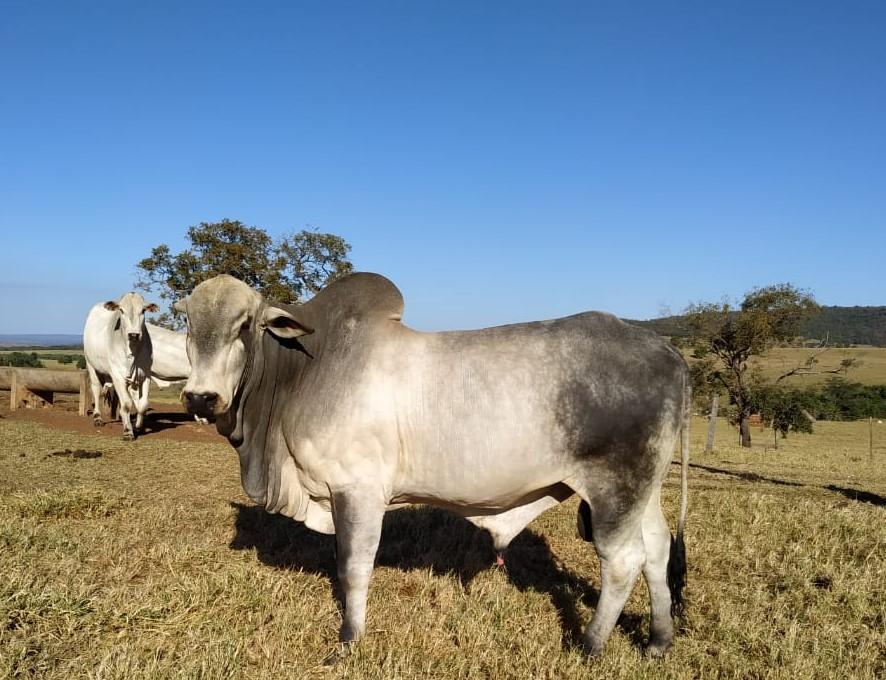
{"points": [[677, 558]]}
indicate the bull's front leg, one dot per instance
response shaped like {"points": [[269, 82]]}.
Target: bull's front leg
{"points": [[358, 515], [126, 407], [141, 398]]}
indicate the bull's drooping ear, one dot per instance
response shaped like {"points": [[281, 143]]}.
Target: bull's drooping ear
{"points": [[180, 306], [283, 324], [152, 308], [111, 306]]}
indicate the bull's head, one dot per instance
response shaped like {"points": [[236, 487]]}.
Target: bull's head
{"points": [[225, 318], [130, 309]]}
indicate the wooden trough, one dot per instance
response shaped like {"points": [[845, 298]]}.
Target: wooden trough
{"points": [[36, 387]]}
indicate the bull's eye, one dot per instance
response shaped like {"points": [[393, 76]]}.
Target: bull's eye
{"points": [[245, 327]]}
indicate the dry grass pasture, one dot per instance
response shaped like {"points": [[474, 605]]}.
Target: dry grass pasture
{"points": [[870, 370], [149, 562]]}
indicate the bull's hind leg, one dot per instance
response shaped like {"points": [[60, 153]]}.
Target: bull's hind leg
{"points": [[96, 387], [657, 542], [622, 554]]}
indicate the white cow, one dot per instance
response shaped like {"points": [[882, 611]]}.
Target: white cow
{"points": [[169, 359], [118, 352]]}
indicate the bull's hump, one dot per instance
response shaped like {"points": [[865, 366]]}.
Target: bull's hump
{"points": [[364, 294]]}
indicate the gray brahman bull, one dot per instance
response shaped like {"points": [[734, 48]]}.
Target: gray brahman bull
{"points": [[339, 412]]}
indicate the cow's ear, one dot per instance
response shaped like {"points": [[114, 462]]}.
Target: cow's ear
{"points": [[283, 324], [111, 306], [152, 308], [180, 306]]}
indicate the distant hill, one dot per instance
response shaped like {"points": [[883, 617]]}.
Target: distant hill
{"points": [[841, 325], [49, 340]]}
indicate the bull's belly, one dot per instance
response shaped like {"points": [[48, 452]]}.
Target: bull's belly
{"points": [[483, 483]]}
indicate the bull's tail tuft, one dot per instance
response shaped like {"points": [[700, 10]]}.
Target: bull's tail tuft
{"points": [[585, 526], [677, 573]]}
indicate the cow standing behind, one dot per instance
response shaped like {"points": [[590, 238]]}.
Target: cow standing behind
{"points": [[118, 349], [339, 412], [169, 356]]}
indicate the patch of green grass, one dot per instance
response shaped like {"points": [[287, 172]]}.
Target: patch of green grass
{"points": [[149, 562]]}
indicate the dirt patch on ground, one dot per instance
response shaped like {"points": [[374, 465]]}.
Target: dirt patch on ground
{"points": [[163, 421]]}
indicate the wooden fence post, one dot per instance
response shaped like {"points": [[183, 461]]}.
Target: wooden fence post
{"points": [[85, 394], [13, 391], [712, 423]]}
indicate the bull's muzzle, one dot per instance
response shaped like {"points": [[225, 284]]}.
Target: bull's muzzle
{"points": [[202, 404]]}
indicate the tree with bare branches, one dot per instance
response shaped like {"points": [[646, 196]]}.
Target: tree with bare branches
{"points": [[724, 337]]}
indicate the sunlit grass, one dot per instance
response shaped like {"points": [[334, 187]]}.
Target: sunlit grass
{"points": [[149, 562]]}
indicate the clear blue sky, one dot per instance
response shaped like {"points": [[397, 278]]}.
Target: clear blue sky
{"points": [[498, 161]]}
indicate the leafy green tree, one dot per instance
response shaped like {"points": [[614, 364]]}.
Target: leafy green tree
{"points": [[839, 399], [781, 408], [724, 338], [286, 270]]}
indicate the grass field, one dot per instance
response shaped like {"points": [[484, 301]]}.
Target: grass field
{"points": [[871, 368], [149, 562]]}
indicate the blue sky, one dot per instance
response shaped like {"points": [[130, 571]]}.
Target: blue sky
{"points": [[498, 161]]}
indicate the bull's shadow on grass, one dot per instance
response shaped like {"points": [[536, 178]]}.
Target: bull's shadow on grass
{"points": [[853, 494], [157, 421], [428, 538], [858, 495]]}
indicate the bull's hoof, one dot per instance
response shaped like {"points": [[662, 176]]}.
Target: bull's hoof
{"points": [[656, 650], [659, 644], [341, 652], [592, 648], [98, 422], [128, 436]]}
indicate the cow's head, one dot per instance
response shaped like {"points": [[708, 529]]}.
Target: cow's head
{"points": [[130, 311], [225, 318]]}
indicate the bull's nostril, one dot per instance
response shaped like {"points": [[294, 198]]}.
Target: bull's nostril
{"points": [[201, 403]]}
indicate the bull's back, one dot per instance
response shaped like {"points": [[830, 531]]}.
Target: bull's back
{"points": [[169, 357], [98, 339]]}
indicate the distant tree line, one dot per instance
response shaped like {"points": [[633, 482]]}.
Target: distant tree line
{"points": [[21, 360], [33, 360], [841, 326]]}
